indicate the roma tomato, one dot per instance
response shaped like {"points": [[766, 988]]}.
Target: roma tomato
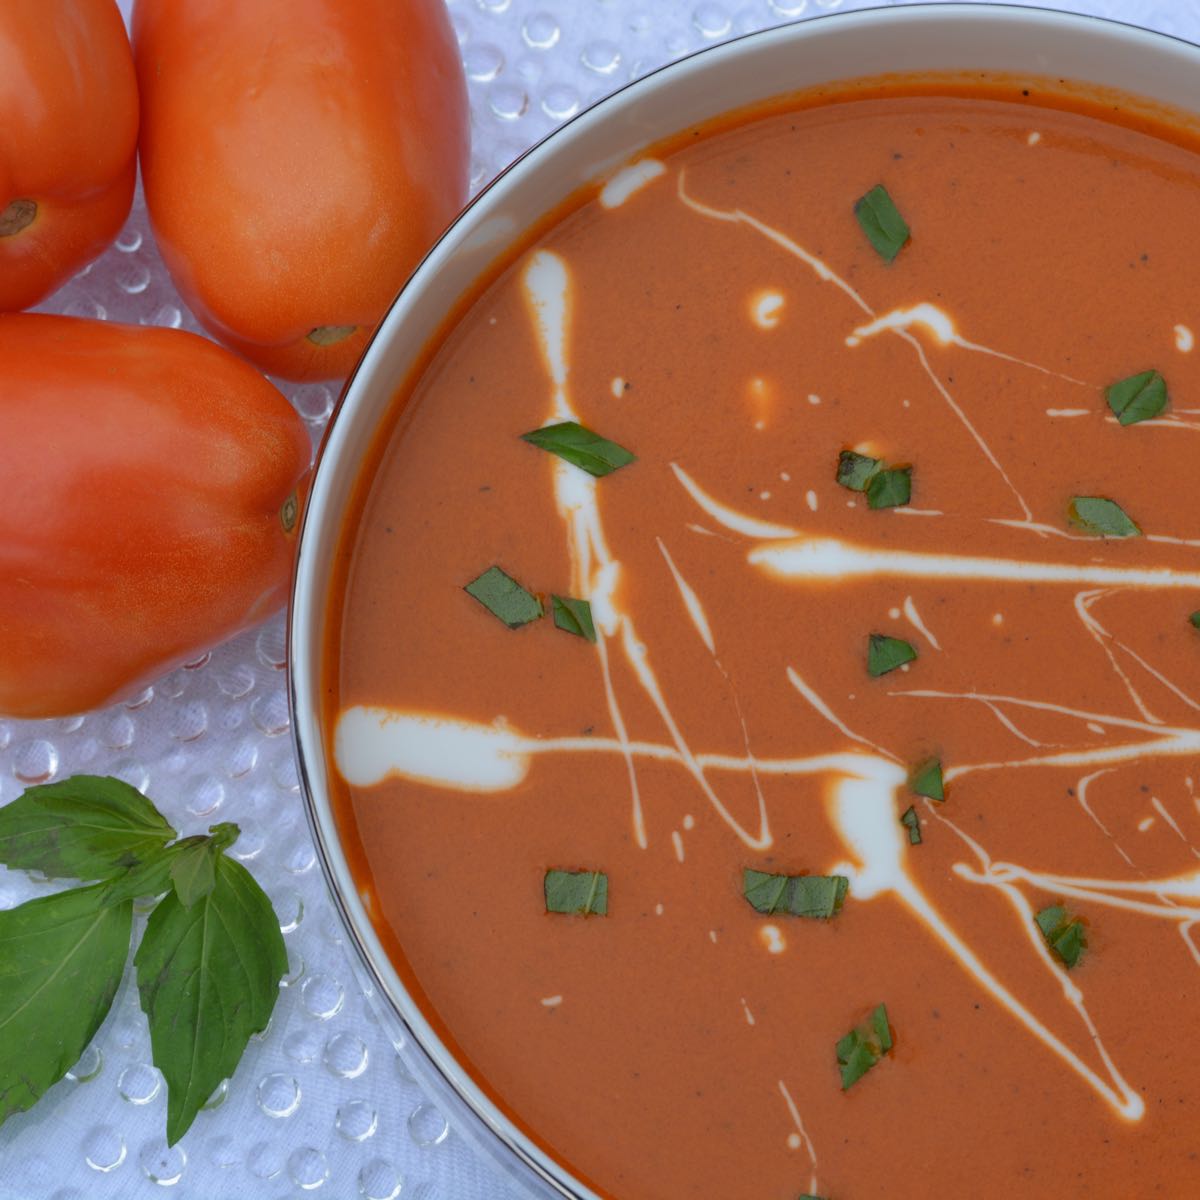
{"points": [[298, 157], [68, 140], [152, 487]]}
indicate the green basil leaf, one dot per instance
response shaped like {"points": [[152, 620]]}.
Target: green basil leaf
{"points": [[1137, 398], [504, 597], [151, 878], [854, 470], [580, 447], [1101, 517], [885, 654], [1064, 934], [819, 896], [1195, 619], [926, 780], [890, 488], [85, 827], [194, 862], [575, 616], [912, 823], [194, 871], [158, 874], [209, 977], [224, 834], [863, 1047], [61, 960], [881, 221], [579, 893]]}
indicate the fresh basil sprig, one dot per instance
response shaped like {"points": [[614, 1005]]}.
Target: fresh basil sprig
{"points": [[208, 965]]}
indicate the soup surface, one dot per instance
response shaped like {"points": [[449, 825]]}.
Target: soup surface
{"points": [[878, 782]]}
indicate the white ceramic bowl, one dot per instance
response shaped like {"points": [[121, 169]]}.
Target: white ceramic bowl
{"points": [[910, 40]]}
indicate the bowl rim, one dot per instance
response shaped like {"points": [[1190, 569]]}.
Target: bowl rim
{"points": [[488, 1125]]}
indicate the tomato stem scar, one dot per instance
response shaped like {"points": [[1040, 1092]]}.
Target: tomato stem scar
{"points": [[18, 215], [330, 335], [288, 513]]}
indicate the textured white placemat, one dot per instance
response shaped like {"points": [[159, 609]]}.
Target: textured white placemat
{"points": [[322, 1102]]}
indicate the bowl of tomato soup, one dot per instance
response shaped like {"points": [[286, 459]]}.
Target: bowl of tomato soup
{"points": [[745, 651]]}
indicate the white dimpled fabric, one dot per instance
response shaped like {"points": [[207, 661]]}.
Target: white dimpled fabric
{"points": [[322, 1103]]}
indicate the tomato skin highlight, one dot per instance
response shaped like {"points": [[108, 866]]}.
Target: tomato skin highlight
{"points": [[299, 157], [146, 471], [68, 140]]}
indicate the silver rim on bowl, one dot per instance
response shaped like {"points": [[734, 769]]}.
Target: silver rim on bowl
{"points": [[908, 40]]}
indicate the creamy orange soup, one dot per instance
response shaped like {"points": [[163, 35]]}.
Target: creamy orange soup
{"points": [[872, 804]]}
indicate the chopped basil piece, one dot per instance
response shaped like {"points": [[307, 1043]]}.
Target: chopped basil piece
{"points": [[1049, 919], [912, 823], [883, 1031], [881, 221], [796, 895], [1101, 517], [886, 487], [885, 654], [575, 616], [854, 470], [505, 598], [1064, 934], [581, 893], [581, 447], [926, 780], [1070, 943], [1137, 398], [855, 1057], [863, 1047], [1195, 618], [890, 488]]}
